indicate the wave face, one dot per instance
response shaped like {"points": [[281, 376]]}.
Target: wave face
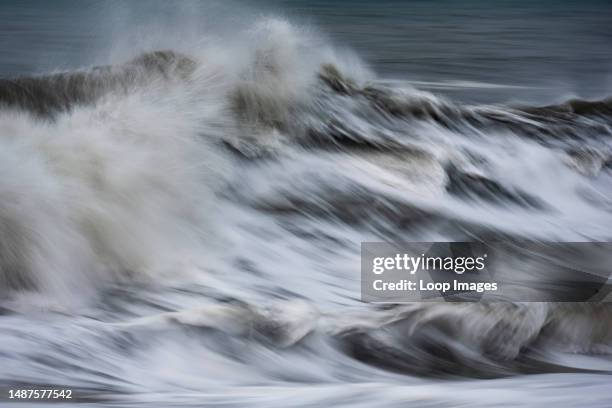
{"points": [[184, 225]]}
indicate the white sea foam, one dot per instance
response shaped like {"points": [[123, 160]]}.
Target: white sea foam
{"points": [[121, 188], [261, 172]]}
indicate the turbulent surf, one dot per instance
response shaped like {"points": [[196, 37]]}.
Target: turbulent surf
{"points": [[201, 213]]}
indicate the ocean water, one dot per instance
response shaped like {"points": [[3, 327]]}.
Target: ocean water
{"points": [[184, 187]]}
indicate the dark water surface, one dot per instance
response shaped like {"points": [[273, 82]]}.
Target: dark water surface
{"points": [[550, 49]]}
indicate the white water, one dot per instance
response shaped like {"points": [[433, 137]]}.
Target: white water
{"points": [[186, 242]]}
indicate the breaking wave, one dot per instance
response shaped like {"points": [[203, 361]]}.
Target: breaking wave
{"points": [[181, 198]]}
